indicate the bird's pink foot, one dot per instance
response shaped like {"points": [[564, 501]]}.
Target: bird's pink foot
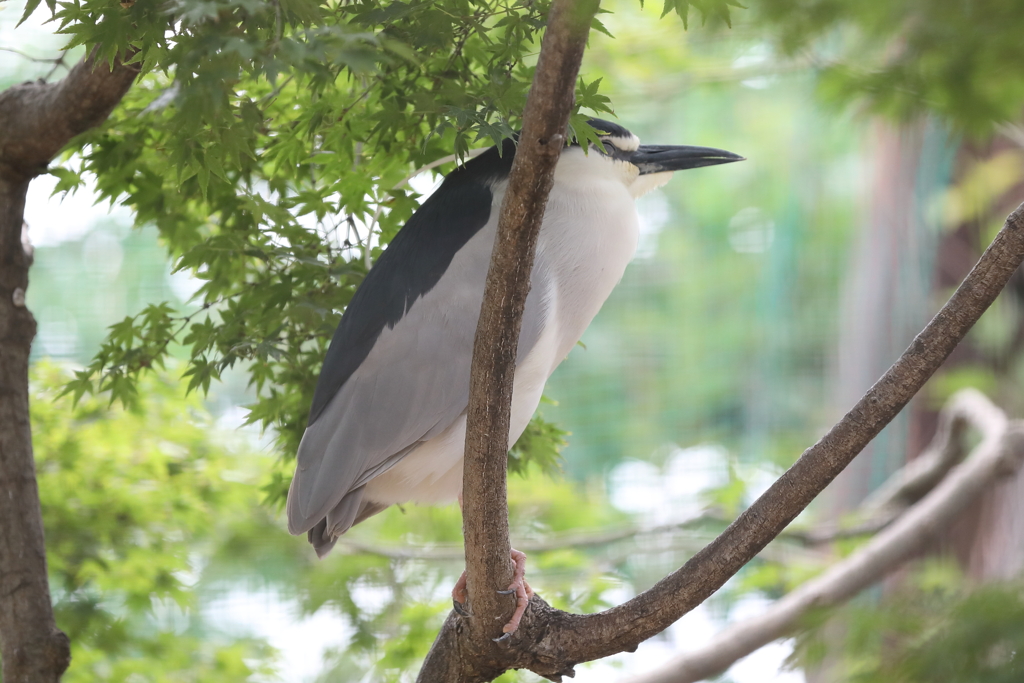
{"points": [[518, 587], [521, 590]]}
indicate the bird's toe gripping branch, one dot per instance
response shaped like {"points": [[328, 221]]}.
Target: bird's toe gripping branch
{"points": [[521, 590], [460, 595]]}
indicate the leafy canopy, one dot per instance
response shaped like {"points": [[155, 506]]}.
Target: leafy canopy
{"points": [[269, 142], [958, 60]]}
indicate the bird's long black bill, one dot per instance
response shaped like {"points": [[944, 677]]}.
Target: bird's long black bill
{"points": [[662, 158]]}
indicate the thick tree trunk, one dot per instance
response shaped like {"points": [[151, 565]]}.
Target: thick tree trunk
{"points": [[36, 121], [32, 646]]}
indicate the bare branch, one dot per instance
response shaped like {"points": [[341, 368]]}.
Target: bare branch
{"points": [[508, 282], [681, 536], [37, 119], [1000, 454], [906, 485], [545, 119], [40, 60], [832, 532], [623, 627]]}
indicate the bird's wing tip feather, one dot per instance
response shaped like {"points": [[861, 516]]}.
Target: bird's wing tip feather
{"points": [[297, 523], [299, 518], [308, 503]]}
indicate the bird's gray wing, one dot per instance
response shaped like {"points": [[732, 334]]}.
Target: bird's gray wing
{"points": [[413, 384], [397, 372], [412, 265]]}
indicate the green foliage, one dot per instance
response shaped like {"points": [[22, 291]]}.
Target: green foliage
{"points": [[717, 11], [951, 58], [937, 628], [540, 444], [132, 503], [267, 142]]}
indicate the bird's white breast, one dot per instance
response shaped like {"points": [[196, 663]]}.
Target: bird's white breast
{"points": [[588, 237]]}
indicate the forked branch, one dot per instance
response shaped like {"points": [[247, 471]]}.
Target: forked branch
{"points": [[550, 642]]}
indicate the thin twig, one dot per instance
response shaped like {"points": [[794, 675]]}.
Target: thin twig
{"points": [[679, 537], [57, 63]]}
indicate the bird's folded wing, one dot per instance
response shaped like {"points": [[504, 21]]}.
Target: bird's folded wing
{"points": [[413, 385], [398, 364]]}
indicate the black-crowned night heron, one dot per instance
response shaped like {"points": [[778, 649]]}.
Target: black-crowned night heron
{"points": [[388, 420]]}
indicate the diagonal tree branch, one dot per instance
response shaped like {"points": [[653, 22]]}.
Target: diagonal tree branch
{"points": [[550, 642], [36, 121], [622, 628], [905, 486], [1000, 454]]}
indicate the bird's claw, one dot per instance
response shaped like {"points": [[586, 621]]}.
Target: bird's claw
{"points": [[459, 597], [519, 588], [460, 609]]}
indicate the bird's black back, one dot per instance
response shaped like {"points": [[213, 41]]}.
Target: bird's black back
{"points": [[412, 264]]}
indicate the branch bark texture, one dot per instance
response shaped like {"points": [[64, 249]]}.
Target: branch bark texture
{"points": [[1000, 454], [36, 121]]}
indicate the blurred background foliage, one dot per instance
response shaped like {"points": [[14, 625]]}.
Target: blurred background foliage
{"points": [[134, 503], [934, 626], [259, 151]]}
